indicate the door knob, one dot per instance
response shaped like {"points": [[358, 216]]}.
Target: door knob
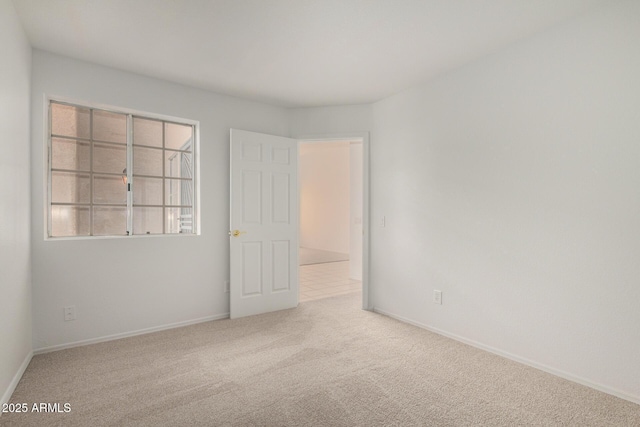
{"points": [[236, 233]]}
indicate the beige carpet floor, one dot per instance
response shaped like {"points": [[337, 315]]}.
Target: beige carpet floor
{"points": [[326, 363]]}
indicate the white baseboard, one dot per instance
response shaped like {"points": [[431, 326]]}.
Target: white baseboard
{"points": [[129, 334], [524, 361], [16, 379]]}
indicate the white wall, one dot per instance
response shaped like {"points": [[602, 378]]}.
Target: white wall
{"points": [[15, 257], [121, 285], [512, 185], [330, 120], [324, 196]]}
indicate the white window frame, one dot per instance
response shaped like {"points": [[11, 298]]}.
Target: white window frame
{"points": [[130, 113]]}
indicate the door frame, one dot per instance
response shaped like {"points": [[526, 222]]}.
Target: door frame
{"points": [[364, 136]]}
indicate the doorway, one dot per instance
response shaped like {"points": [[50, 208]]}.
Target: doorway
{"points": [[331, 233], [264, 221]]}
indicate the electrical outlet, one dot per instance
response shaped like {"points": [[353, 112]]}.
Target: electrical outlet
{"points": [[226, 286], [437, 297], [70, 313]]}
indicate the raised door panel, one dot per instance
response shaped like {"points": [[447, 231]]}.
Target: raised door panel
{"points": [[251, 197], [281, 267], [252, 269], [280, 198]]}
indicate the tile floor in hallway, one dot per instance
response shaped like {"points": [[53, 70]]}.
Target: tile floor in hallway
{"points": [[326, 280]]}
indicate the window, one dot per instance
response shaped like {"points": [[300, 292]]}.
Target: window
{"points": [[113, 173]]}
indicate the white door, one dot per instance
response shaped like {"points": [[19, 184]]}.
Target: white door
{"points": [[264, 223]]}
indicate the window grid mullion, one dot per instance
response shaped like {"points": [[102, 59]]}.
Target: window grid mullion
{"points": [[177, 178], [49, 172], [141, 205], [79, 139], [70, 204], [91, 172], [194, 173], [129, 174], [78, 171], [87, 204], [164, 202]]}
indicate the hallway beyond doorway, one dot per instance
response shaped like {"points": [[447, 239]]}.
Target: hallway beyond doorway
{"points": [[319, 281], [317, 256]]}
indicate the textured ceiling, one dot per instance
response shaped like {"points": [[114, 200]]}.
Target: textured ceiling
{"points": [[289, 52]]}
